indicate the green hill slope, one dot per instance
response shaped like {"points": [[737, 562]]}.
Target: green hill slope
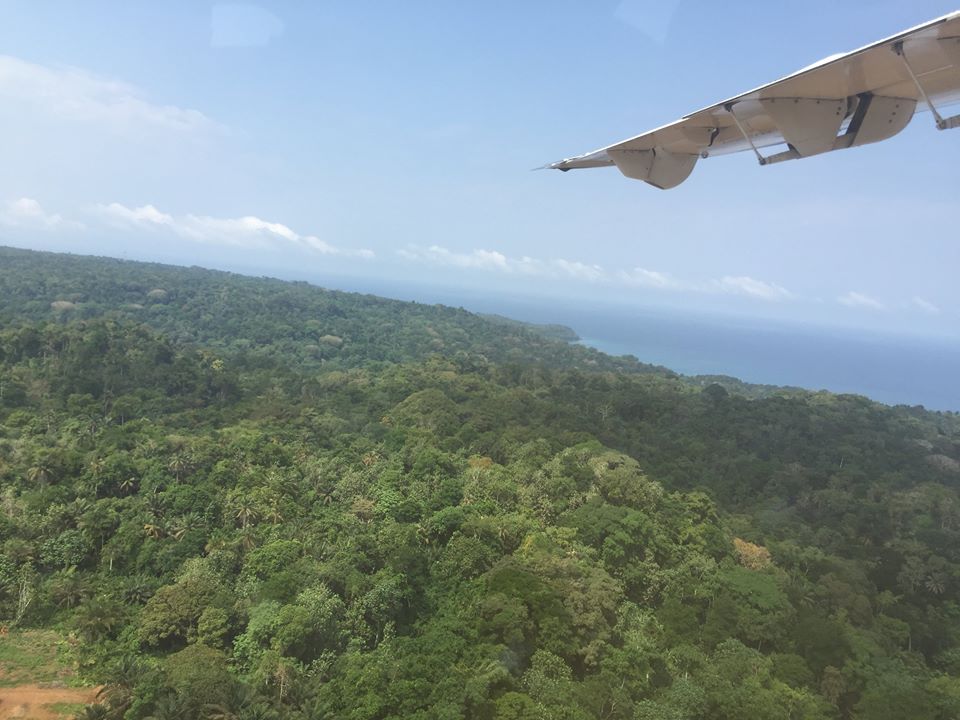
{"points": [[254, 499], [269, 321]]}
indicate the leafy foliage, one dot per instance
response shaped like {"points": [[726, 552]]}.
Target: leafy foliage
{"points": [[254, 499]]}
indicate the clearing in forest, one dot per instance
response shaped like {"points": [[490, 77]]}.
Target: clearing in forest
{"points": [[36, 672], [43, 703]]}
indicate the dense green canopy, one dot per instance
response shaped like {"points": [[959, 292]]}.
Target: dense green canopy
{"points": [[255, 499]]}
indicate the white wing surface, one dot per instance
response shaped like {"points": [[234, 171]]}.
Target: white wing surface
{"points": [[843, 101]]}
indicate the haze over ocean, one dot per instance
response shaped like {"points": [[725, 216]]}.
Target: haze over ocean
{"points": [[891, 368]]}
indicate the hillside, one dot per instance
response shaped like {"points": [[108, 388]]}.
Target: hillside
{"points": [[251, 499], [550, 330], [267, 321]]}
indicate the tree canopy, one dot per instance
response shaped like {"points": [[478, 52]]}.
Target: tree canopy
{"points": [[253, 499]]}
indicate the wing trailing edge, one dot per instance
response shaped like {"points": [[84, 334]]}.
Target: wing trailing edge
{"points": [[843, 101]]}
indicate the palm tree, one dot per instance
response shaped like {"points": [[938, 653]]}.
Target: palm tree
{"points": [[155, 503], [243, 704], [215, 545], [935, 583], [81, 506], [138, 589], [168, 707], [179, 465], [327, 494], [180, 528], [117, 697], [247, 539], [274, 514], [94, 712], [69, 589], [911, 575], [246, 512], [97, 618], [93, 424], [40, 473], [97, 466]]}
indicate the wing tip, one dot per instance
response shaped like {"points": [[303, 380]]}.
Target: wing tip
{"points": [[559, 165]]}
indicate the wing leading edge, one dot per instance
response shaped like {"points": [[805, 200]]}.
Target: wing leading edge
{"points": [[843, 101]]}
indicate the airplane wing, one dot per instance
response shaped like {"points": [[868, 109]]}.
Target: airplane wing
{"points": [[842, 101]]}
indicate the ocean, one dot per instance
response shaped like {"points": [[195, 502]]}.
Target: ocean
{"points": [[892, 369], [889, 369], [896, 370]]}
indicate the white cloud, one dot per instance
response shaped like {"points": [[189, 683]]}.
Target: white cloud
{"points": [[495, 261], [927, 306], [248, 231], [478, 259], [147, 214], [78, 95], [648, 278], [29, 211], [29, 214], [751, 287], [859, 300], [579, 270]]}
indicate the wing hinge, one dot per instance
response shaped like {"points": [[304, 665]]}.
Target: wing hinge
{"points": [[942, 122], [743, 131]]}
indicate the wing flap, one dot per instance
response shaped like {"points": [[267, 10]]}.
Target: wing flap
{"points": [[880, 118], [843, 101], [659, 167], [809, 125]]}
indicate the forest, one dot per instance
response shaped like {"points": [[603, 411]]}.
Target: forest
{"points": [[242, 498]]}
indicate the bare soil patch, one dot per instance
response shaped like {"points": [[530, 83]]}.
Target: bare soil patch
{"points": [[42, 703]]}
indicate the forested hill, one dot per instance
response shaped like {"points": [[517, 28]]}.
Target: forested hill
{"points": [[266, 320], [242, 498], [550, 330]]}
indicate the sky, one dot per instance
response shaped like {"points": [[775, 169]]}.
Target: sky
{"points": [[356, 141]]}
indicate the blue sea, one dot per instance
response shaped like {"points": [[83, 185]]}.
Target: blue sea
{"points": [[891, 369]]}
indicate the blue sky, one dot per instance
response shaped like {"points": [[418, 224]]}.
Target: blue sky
{"points": [[394, 141]]}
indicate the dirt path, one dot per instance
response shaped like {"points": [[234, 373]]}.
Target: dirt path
{"points": [[34, 702]]}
